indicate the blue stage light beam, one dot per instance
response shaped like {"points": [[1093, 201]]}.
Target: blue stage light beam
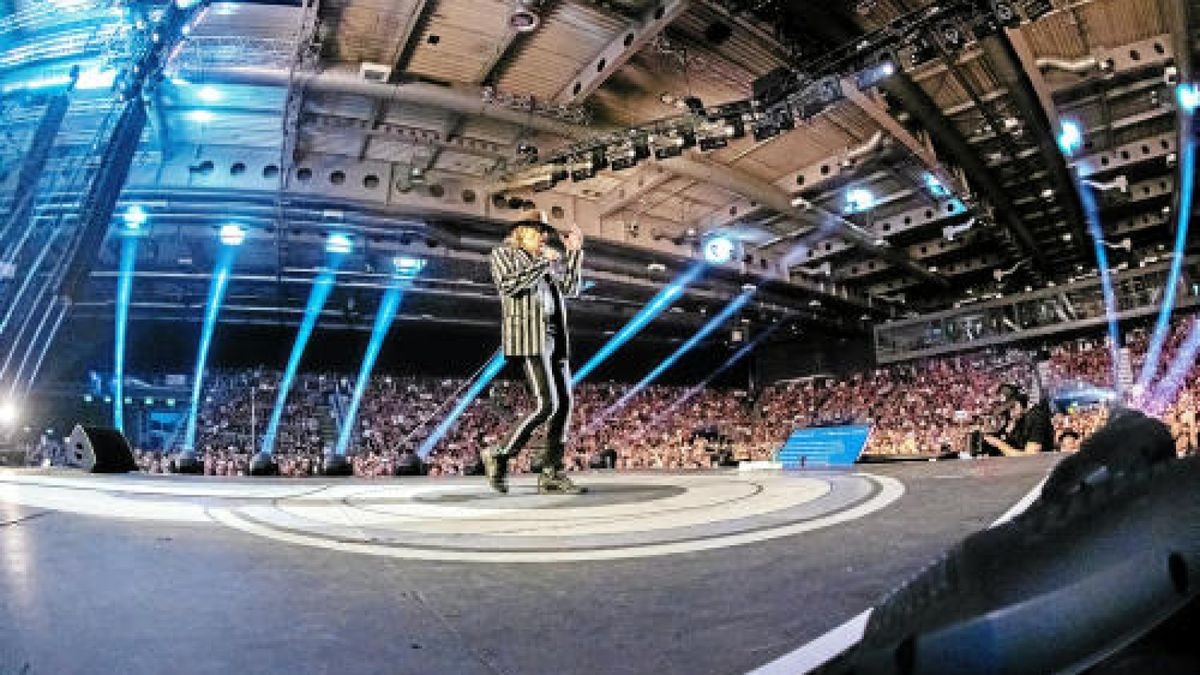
{"points": [[321, 288], [405, 269], [1092, 216], [1166, 391], [129, 247], [490, 371], [1187, 174], [656, 306], [707, 329], [231, 238], [729, 363]]}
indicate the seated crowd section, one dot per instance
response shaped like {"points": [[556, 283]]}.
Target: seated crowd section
{"points": [[925, 408]]}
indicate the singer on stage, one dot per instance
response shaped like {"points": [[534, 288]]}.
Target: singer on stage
{"points": [[533, 282]]}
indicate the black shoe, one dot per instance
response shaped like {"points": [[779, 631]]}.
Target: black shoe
{"points": [[558, 483], [496, 468]]}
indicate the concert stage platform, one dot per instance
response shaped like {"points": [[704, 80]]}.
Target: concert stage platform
{"points": [[704, 572]]}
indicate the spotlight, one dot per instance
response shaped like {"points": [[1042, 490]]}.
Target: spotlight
{"points": [[202, 116], [951, 35], [523, 18], [209, 94], [934, 185], [859, 200], [622, 157], [670, 145], [407, 267], [338, 243], [1188, 96], [9, 414], [135, 217], [1070, 137], [718, 250], [582, 168], [232, 234], [873, 75], [712, 137]]}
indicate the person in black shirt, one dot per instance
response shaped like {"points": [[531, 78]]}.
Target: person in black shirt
{"points": [[1028, 431]]}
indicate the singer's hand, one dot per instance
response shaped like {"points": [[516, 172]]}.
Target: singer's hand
{"points": [[572, 239], [550, 254]]}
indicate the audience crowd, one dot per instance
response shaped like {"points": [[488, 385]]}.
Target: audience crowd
{"points": [[920, 409]]}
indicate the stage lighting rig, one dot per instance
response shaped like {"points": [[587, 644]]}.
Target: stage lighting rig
{"points": [[872, 75], [712, 136], [622, 156], [1036, 9]]}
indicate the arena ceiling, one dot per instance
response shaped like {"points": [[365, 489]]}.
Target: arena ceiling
{"points": [[430, 119]]}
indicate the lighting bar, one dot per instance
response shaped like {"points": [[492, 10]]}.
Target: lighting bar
{"points": [[729, 363], [312, 311], [490, 371], [707, 329], [383, 321], [216, 295], [1186, 185], [657, 304], [129, 246], [1092, 216]]}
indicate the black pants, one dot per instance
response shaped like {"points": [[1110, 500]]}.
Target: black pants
{"points": [[549, 378]]}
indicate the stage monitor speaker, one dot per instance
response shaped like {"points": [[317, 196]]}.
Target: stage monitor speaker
{"points": [[99, 450], [1092, 567]]}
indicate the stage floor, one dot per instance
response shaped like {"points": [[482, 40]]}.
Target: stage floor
{"points": [[705, 572]]}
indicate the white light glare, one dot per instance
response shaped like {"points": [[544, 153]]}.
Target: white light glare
{"points": [[135, 216], [232, 234], [201, 116], [859, 199], [339, 243], [407, 266], [1070, 138], [9, 414], [209, 94], [718, 250], [1188, 96]]}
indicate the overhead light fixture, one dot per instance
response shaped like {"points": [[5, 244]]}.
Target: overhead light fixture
{"points": [[232, 234], [1188, 96], [1070, 137], [339, 243], [859, 200], [524, 18], [209, 94], [718, 250], [407, 267], [134, 217], [874, 74], [934, 185]]}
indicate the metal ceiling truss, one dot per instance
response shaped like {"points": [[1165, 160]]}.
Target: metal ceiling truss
{"points": [[623, 47]]}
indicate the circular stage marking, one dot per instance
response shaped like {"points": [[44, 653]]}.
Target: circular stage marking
{"points": [[631, 515]]}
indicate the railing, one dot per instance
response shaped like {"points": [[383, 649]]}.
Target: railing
{"points": [[1017, 317]]}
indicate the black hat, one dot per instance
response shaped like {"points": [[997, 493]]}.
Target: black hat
{"points": [[536, 219]]}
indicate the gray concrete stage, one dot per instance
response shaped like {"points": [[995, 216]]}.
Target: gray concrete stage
{"points": [[715, 572]]}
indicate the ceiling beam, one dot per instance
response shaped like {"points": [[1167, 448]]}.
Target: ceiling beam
{"points": [[405, 45], [620, 49], [918, 104], [874, 108], [1037, 107], [780, 201], [650, 177]]}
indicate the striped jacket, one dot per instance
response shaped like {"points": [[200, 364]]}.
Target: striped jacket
{"points": [[522, 316]]}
